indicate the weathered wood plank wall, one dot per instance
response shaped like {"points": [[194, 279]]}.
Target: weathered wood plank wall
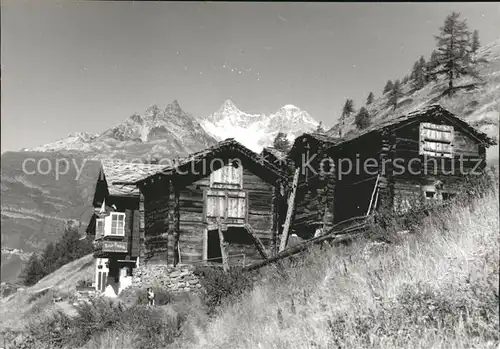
{"points": [[160, 217]]}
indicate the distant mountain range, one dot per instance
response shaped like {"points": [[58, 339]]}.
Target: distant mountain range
{"points": [[173, 132]]}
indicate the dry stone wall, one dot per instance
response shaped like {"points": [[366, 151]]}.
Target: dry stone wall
{"points": [[174, 279]]}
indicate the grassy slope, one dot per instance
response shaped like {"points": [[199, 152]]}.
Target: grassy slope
{"points": [[480, 107], [410, 294], [16, 308]]}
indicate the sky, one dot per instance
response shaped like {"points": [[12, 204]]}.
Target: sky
{"points": [[71, 66]]}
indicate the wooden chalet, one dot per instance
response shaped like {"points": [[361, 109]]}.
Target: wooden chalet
{"points": [[115, 223], [411, 157], [221, 204]]}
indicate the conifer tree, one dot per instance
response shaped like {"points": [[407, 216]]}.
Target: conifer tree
{"points": [[320, 128], [453, 55], [431, 67], [348, 108], [49, 259], [370, 98], [388, 86], [33, 271], [362, 119], [475, 44], [395, 94], [419, 73], [281, 142]]}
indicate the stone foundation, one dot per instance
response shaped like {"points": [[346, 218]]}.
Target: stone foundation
{"points": [[174, 279]]}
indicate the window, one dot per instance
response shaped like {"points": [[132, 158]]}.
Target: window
{"points": [[230, 205], [438, 192], [230, 176], [99, 228], [115, 224], [436, 140]]}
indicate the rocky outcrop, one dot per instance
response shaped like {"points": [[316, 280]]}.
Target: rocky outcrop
{"points": [[174, 279]]}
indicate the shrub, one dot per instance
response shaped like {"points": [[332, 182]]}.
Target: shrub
{"points": [[150, 327], [220, 285]]}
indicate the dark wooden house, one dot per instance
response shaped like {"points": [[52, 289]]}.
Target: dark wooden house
{"points": [[423, 155], [114, 225], [226, 186]]}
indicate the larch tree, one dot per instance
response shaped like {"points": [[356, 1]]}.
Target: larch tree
{"points": [[347, 110], [370, 98], [388, 86], [396, 94], [431, 67], [419, 72], [453, 54], [475, 44], [362, 119], [281, 142], [33, 271]]}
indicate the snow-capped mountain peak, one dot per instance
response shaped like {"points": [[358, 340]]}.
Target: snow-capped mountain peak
{"points": [[289, 107], [257, 130], [229, 113]]}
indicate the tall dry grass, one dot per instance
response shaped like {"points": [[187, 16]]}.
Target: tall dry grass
{"points": [[437, 288]]}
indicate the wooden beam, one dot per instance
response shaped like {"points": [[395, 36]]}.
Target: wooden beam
{"points": [[223, 247], [176, 225], [291, 201], [332, 235], [258, 244]]}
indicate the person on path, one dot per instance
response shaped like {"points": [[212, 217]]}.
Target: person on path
{"points": [[151, 297]]}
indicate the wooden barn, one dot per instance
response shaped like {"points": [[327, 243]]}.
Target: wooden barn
{"points": [[421, 156], [221, 204], [115, 223]]}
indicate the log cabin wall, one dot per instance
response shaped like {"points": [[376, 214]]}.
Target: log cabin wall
{"points": [[155, 197], [260, 215], [314, 198], [160, 217], [414, 181], [356, 176]]}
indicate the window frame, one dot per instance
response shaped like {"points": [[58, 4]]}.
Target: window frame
{"points": [[109, 228], [430, 133]]}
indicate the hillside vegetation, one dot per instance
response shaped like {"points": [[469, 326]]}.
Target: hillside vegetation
{"points": [[21, 306], [477, 99], [435, 289]]}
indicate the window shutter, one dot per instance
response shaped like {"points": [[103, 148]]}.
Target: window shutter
{"points": [[227, 177], [436, 140], [128, 223], [136, 242], [236, 205]]}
